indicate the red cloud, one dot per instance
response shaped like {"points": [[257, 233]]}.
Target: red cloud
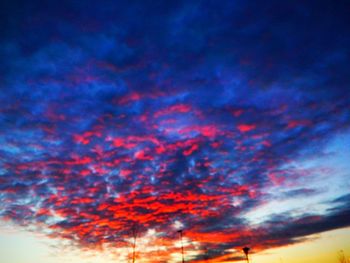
{"points": [[246, 127]]}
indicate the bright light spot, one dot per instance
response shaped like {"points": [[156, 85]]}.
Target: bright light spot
{"points": [[237, 201], [178, 225]]}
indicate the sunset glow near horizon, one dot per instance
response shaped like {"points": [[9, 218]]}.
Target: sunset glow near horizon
{"points": [[227, 120]]}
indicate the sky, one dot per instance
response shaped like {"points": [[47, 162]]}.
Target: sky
{"points": [[226, 120]]}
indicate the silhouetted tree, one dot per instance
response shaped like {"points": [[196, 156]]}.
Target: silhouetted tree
{"points": [[206, 254], [246, 252]]}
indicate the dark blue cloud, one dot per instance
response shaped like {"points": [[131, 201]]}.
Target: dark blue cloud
{"points": [[145, 113]]}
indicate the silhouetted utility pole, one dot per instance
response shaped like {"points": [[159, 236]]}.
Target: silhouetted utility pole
{"points": [[134, 235], [182, 247], [341, 257], [246, 252]]}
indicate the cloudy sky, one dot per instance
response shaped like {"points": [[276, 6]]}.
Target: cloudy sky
{"points": [[228, 120]]}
